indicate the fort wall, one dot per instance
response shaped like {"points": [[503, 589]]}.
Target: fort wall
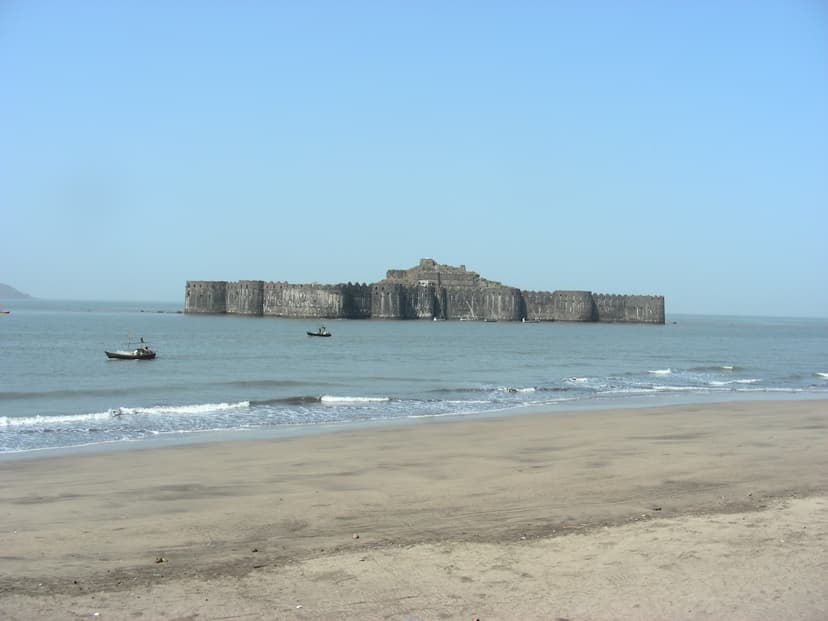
{"points": [[244, 297], [304, 301], [427, 291], [629, 308], [357, 301], [538, 306], [387, 301], [484, 304], [573, 306], [205, 296]]}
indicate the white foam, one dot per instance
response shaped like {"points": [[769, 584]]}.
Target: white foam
{"points": [[335, 399], [739, 381], [200, 408], [577, 380], [45, 421], [726, 367], [822, 375], [631, 390], [662, 372]]}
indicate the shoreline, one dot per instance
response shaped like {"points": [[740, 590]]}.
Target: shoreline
{"points": [[180, 439], [500, 517]]}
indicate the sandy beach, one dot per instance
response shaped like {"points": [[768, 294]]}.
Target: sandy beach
{"points": [[681, 512]]}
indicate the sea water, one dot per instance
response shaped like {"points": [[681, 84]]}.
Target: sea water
{"points": [[251, 375]]}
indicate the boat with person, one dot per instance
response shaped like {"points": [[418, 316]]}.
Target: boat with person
{"points": [[142, 352], [322, 331]]}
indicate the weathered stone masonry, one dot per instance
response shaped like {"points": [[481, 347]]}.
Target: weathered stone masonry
{"points": [[427, 291]]}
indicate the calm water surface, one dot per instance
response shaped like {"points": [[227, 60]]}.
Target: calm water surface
{"points": [[237, 374]]}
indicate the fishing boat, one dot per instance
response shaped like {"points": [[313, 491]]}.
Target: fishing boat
{"points": [[323, 331], [136, 354], [142, 352]]}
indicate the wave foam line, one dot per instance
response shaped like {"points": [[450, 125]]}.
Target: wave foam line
{"points": [[335, 399], [822, 375], [45, 421], [200, 408], [661, 372], [39, 421]]}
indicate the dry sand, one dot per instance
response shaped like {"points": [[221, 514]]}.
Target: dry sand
{"points": [[685, 512]]}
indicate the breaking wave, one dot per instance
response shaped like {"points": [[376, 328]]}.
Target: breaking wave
{"points": [[335, 399], [201, 408], [730, 382], [73, 419], [49, 421]]}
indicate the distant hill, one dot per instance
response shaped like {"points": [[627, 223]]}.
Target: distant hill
{"points": [[10, 293]]}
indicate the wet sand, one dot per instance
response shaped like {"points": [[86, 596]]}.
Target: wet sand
{"points": [[682, 512]]}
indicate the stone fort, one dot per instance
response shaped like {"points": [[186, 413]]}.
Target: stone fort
{"points": [[426, 291]]}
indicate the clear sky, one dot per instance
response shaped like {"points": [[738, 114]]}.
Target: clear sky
{"points": [[664, 147]]}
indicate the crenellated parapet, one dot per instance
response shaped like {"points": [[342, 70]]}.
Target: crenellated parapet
{"points": [[427, 291]]}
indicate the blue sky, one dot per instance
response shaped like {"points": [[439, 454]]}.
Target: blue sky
{"points": [[674, 148]]}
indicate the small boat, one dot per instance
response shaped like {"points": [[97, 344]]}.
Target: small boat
{"points": [[143, 352], [323, 331], [136, 354]]}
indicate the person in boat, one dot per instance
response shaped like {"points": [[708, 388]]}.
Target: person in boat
{"points": [[322, 331]]}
